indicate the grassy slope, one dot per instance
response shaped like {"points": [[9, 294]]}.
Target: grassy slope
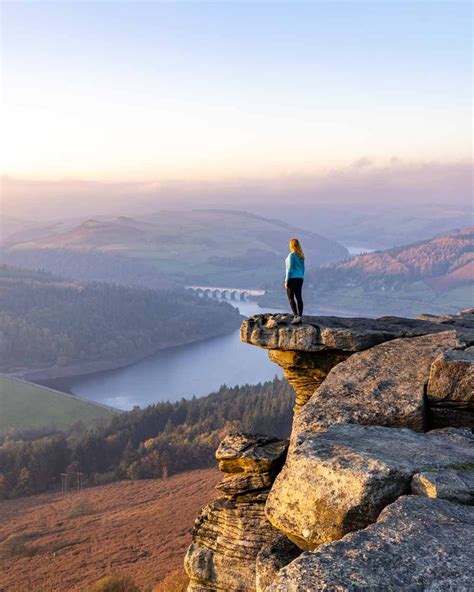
{"points": [[24, 405]]}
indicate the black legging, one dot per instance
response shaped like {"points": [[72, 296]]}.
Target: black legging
{"points": [[294, 286]]}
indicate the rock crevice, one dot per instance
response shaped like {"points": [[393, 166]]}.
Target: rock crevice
{"points": [[231, 531], [369, 494]]}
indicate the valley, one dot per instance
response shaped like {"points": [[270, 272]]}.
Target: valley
{"points": [[54, 327], [160, 377], [236, 296], [154, 441], [434, 276]]}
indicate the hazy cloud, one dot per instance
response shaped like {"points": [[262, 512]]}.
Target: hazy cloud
{"points": [[395, 183], [362, 163]]}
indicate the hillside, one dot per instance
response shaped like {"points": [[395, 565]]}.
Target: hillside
{"points": [[27, 406], [140, 529], [435, 275], [58, 327], [431, 259], [214, 247]]}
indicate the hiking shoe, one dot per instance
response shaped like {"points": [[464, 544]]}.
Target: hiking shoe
{"points": [[296, 321]]}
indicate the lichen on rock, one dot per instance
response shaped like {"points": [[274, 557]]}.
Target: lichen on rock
{"points": [[384, 385], [417, 544], [368, 496], [346, 475]]}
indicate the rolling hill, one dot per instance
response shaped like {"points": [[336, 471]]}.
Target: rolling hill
{"points": [[435, 275], [27, 406], [426, 260], [214, 247]]}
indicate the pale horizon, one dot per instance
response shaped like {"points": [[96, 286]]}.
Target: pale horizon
{"points": [[363, 184]]}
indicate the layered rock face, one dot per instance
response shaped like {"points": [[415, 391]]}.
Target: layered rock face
{"points": [[306, 371], [366, 358], [230, 532], [377, 488]]}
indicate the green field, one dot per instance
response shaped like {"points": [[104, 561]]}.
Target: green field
{"points": [[24, 405]]}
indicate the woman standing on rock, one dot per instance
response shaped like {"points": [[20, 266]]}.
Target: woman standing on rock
{"points": [[294, 279]]}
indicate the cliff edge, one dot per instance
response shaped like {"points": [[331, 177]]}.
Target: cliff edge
{"points": [[375, 489]]}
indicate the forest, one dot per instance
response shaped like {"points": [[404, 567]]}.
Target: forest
{"points": [[157, 441], [47, 321]]}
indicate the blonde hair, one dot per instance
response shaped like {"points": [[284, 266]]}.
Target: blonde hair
{"points": [[296, 247]]}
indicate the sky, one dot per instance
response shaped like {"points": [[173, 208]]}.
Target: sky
{"points": [[132, 91]]}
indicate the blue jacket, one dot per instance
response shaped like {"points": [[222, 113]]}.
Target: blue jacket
{"points": [[294, 267]]}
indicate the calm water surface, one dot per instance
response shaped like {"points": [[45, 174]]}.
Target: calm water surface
{"points": [[197, 369], [184, 371]]}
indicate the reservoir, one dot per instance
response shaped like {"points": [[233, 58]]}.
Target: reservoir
{"points": [[185, 371], [190, 370]]}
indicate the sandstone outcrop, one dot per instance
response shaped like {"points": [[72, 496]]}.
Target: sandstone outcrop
{"points": [[349, 473], [417, 544], [456, 485], [308, 351], [272, 557], [250, 454], [384, 385], [451, 388], [230, 532], [452, 376], [368, 496], [334, 333], [306, 371]]}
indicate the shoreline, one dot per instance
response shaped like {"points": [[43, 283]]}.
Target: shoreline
{"points": [[74, 370]]}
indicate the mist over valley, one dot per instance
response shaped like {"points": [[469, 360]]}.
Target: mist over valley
{"points": [[236, 297]]}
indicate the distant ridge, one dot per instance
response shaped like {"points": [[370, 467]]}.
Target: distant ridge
{"points": [[205, 246], [434, 275], [438, 257]]}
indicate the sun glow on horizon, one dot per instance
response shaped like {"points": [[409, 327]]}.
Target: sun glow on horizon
{"points": [[149, 92]]}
